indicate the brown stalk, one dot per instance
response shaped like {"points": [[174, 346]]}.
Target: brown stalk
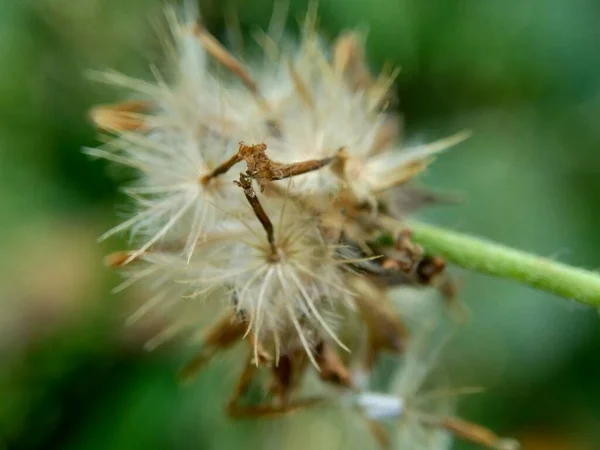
{"points": [[282, 171], [215, 49], [245, 183], [254, 155], [221, 169], [263, 169]]}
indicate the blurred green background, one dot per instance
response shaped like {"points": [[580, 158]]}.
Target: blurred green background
{"points": [[524, 76]]}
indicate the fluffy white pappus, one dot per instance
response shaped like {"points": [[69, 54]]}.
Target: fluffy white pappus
{"points": [[173, 145], [287, 290], [327, 112], [323, 115], [182, 135], [398, 165], [171, 200], [176, 133], [423, 412], [380, 406], [300, 102], [230, 97], [408, 403], [412, 431], [160, 277]]}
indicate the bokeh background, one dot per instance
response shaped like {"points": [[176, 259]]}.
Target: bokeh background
{"points": [[524, 76]]}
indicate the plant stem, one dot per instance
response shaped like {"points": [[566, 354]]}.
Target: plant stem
{"points": [[500, 261]]}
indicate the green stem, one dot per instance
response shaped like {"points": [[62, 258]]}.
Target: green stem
{"points": [[497, 260]]}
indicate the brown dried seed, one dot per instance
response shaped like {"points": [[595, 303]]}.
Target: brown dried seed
{"points": [[287, 375], [120, 117], [117, 259], [332, 368]]}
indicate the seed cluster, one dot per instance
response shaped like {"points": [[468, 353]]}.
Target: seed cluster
{"points": [[271, 196]]}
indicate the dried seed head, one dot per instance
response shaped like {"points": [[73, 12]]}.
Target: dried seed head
{"points": [[270, 243], [285, 277]]}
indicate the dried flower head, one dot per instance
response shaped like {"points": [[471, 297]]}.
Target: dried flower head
{"points": [[284, 277], [264, 193], [323, 129]]}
